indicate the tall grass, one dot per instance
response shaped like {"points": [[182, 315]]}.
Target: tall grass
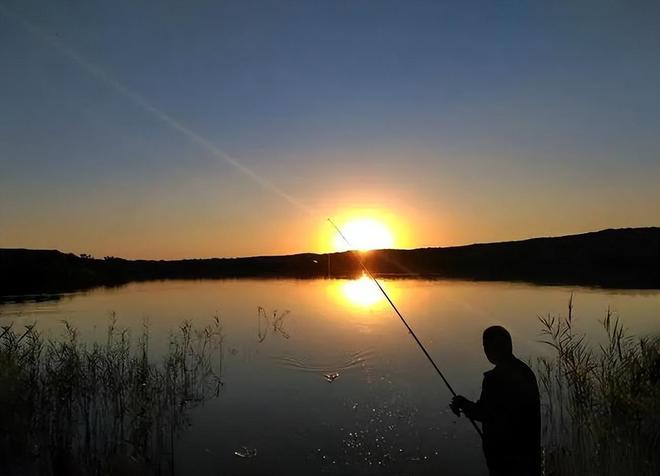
{"points": [[601, 403], [71, 408]]}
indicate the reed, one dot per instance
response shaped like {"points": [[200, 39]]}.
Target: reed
{"points": [[67, 407], [601, 403]]}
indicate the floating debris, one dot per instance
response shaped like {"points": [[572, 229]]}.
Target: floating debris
{"points": [[331, 377], [245, 452]]}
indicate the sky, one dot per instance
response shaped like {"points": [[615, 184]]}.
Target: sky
{"points": [[177, 129]]}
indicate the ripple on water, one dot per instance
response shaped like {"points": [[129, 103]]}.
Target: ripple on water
{"points": [[332, 364]]}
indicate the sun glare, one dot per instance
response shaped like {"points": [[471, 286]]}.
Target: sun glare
{"points": [[364, 234]]}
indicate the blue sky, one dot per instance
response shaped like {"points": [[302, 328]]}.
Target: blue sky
{"points": [[468, 121]]}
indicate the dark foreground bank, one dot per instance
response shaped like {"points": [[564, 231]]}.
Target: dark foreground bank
{"points": [[623, 258]]}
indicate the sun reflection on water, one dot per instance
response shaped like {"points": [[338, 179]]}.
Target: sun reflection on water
{"points": [[362, 292]]}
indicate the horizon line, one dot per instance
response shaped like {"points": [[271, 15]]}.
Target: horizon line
{"points": [[81, 255]]}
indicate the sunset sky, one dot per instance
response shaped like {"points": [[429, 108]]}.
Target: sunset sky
{"points": [[169, 129]]}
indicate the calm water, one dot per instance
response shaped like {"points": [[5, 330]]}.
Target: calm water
{"points": [[385, 413]]}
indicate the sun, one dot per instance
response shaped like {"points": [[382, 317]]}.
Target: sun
{"points": [[364, 234]]}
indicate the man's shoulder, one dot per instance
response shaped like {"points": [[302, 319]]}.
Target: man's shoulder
{"points": [[513, 368], [492, 376], [524, 369]]}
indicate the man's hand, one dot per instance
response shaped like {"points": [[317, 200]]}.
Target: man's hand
{"points": [[458, 404]]}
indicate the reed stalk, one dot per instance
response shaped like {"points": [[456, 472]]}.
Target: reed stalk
{"points": [[67, 407], [601, 403]]}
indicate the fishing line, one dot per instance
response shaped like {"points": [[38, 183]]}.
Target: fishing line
{"points": [[396, 310], [137, 99]]}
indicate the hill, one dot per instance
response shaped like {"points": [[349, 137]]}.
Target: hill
{"points": [[622, 258]]}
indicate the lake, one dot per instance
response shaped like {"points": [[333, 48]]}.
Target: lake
{"points": [[385, 413]]}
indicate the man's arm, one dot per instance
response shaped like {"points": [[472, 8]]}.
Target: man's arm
{"points": [[473, 410]]}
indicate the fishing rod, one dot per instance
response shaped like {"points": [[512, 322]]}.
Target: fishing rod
{"points": [[412, 333]]}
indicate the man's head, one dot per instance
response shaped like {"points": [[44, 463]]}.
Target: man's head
{"points": [[497, 344]]}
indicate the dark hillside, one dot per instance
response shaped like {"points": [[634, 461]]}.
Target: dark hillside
{"points": [[625, 258]]}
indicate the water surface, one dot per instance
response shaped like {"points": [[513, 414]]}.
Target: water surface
{"points": [[385, 413]]}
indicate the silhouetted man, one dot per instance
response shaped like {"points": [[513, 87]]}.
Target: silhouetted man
{"points": [[508, 408]]}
